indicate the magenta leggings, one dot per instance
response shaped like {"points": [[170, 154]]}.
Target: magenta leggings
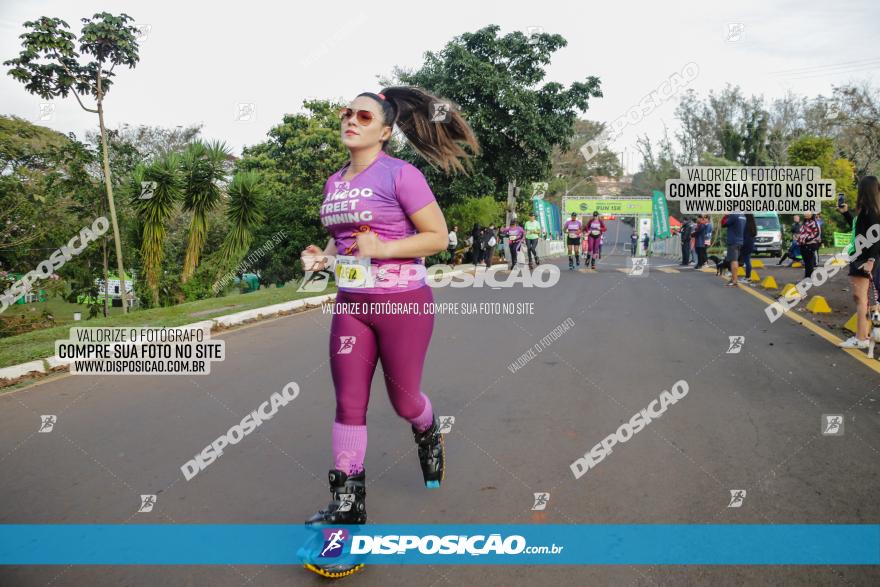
{"points": [[360, 337], [593, 244]]}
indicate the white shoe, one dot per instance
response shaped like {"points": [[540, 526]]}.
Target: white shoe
{"points": [[853, 343]]}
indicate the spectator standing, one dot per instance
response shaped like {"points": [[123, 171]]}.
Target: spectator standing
{"points": [[736, 229], [745, 254], [809, 239], [702, 238], [477, 244], [864, 265], [687, 230], [453, 244], [490, 241]]}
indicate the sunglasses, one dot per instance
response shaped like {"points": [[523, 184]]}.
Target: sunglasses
{"points": [[364, 117]]}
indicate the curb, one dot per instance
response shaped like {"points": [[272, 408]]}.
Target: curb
{"points": [[10, 374], [48, 364]]}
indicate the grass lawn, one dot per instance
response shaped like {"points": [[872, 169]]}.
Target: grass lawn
{"points": [[62, 311], [41, 343]]}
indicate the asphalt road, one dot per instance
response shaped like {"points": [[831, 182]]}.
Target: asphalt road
{"points": [[750, 421]]}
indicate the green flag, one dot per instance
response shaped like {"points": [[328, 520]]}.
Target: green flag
{"points": [[660, 215]]}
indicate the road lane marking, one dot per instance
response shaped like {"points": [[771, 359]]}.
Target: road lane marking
{"points": [[818, 330]]}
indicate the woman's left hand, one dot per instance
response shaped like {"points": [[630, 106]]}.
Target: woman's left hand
{"points": [[370, 245]]}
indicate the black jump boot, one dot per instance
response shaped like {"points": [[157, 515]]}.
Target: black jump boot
{"points": [[349, 504], [431, 457]]}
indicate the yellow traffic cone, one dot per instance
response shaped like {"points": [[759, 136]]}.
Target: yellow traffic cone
{"points": [[769, 283], [851, 324], [740, 272], [758, 263], [818, 305], [755, 277], [797, 265], [789, 291]]}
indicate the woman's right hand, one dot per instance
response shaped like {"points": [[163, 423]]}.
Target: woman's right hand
{"points": [[313, 258]]}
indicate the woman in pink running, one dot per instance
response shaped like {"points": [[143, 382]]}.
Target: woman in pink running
{"points": [[594, 228], [383, 218]]}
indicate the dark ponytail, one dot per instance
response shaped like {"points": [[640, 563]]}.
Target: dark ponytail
{"points": [[751, 225], [440, 143], [868, 200]]}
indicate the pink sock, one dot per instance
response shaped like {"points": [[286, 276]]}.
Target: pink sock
{"points": [[349, 448], [424, 420]]}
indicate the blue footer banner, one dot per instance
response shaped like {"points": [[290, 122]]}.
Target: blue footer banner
{"points": [[437, 544]]}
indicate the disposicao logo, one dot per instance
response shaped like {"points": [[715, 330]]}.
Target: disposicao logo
{"points": [[334, 541]]}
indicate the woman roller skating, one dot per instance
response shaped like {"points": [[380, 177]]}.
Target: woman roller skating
{"points": [[383, 218]]}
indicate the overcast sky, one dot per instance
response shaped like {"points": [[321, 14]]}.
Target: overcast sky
{"points": [[199, 61]]}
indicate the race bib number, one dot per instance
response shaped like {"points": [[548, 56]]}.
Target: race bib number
{"points": [[595, 232], [353, 272]]}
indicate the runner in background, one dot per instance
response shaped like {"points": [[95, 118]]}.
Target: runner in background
{"points": [[515, 235], [533, 233], [397, 221], [595, 228], [572, 229]]}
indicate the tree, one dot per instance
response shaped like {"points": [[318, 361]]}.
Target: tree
{"points": [[154, 212], [245, 213], [151, 142], [204, 171], [495, 83], [786, 123], [810, 151], [301, 152], [49, 66], [47, 194], [568, 167], [856, 122], [697, 134], [485, 210], [725, 125], [31, 212]]}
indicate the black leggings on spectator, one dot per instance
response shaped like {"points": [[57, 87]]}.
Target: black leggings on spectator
{"points": [[808, 252]]}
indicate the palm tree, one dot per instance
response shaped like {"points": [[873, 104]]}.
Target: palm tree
{"points": [[204, 170], [244, 211], [154, 207]]}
